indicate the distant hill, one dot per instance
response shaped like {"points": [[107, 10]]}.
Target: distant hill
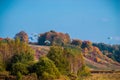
{"points": [[111, 51], [96, 60]]}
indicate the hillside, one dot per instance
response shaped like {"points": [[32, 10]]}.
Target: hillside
{"points": [[39, 50], [92, 59], [111, 51], [96, 56]]}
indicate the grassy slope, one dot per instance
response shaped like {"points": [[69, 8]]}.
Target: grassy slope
{"points": [[98, 66], [109, 64], [103, 76]]}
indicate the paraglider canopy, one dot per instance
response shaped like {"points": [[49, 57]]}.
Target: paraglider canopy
{"points": [[47, 42], [33, 37], [109, 38]]}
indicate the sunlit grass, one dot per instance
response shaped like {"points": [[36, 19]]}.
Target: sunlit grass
{"points": [[103, 76]]}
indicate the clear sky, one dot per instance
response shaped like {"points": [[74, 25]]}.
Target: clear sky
{"points": [[93, 20]]}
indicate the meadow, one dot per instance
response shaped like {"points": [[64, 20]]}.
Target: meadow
{"points": [[103, 76]]}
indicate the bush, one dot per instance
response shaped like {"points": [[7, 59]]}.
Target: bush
{"points": [[19, 76], [84, 71], [22, 57], [19, 67], [46, 70]]}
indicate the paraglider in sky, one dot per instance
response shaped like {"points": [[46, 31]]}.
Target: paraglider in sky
{"points": [[34, 37], [35, 34], [31, 38], [109, 38]]}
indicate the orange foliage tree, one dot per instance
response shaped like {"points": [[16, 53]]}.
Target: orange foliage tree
{"points": [[22, 36], [55, 38]]}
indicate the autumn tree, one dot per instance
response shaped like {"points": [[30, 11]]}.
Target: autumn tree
{"points": [[74, 58], [76, 42], [22, 36], [55, 38], [67, 60], [56, 54], [86, 44]]}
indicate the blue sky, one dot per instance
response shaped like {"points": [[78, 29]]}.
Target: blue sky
{"points": [[93, 20]]}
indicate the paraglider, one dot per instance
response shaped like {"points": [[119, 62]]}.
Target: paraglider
{"points": [[34, 37], [109, 38], [47, 42], [116, 38], [35, 34], [31, 38]]}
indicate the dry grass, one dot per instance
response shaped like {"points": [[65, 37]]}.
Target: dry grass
{"points": [[103, 76]]}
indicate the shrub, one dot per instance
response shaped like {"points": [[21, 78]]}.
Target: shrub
{"points": [[19, 76], [83, 71], [19, 67], [22, 57], [46, 69]]}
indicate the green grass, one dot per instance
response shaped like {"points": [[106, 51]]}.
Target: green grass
{"points": [[103, 76]]}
